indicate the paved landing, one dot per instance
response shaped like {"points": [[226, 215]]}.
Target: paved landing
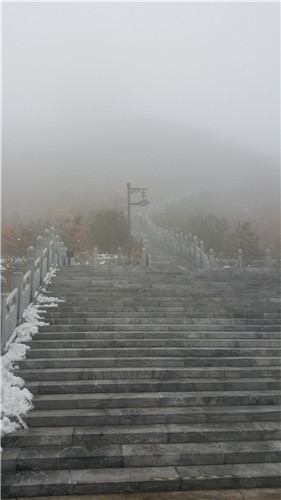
{"points": [[254, 494]]}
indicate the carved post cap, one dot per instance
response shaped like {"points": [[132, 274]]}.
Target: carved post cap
{"points": [[95, 249], [57, 238], [202, 245], [268, 252], [39, 241], [196, 239], [3, 284], [18, 265], [190, 235], [31, 252], [240, 251], [211, 251], [65, 249], [52, 230], [185, 237], [119, 249], [46, 233], [62, 244]]}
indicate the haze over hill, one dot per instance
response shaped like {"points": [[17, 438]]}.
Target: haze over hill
{"points": [[165, 96]]}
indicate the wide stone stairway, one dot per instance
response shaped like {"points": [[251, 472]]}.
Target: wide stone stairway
{"points": [[161, 379]]}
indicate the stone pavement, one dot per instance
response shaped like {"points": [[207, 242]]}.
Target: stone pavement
{"points": [[254, 494], [151, 380]]}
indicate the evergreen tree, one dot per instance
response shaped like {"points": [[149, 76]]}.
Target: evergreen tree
{"points": [[109, 231], [249, 242]]}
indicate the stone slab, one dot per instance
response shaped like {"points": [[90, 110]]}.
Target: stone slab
{"points": [[251, 494], [230, 476], [68, 457], [34, 483], [39, 437], [125, 480]]}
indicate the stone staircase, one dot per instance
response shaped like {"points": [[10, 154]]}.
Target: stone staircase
{"points": [[158, 380]]}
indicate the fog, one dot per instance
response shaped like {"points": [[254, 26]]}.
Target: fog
{"points": [[169, 96]]}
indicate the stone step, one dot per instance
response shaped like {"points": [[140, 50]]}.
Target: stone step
{"points": [[38, 345], [160, 399], [64, 309], [158, 373], [130, 434], [210, 301], [139, 479], [146, 335], [206, 310], [172, 297], [169, 368], [154, 352], [141, 317], [165, 279], [85, 456], [152, 415], [176, 362], [151, 385], [162, 288], [144, 318], [165, 326]]}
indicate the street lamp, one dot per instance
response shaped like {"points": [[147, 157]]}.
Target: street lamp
{"points": [[143, 202]]}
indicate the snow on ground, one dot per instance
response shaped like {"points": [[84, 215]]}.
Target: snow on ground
{"points": [[16, 399]]}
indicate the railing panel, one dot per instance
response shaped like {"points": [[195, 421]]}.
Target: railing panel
{"points": [[44, 262], [47, 252], [11, 315], [37, 277], [26, 289]]}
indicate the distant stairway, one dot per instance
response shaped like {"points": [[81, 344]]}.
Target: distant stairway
{"points": [[155, 380]]}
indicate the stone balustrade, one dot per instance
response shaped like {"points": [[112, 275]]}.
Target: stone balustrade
{"points": [[189, 246], [144, 260], [49, 252]]}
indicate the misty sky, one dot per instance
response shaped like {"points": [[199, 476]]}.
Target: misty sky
{"points": [[162, 95]]}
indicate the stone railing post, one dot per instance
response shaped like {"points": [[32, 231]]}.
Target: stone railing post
{"points": [[47, 245], [30, 266], [17, 282], [166, 238], [186, 245], [240, 262], [177, 243], [119, 257], [181, 243], [145, 245], [195, 247], [148, 258], [57, 250], [53, 240], [95, 257], [61, 253], [39, 247], [65, 256], [201, 248], [3, 308], [268, 260], [39, 253], [212, 258], [189, 243]]}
